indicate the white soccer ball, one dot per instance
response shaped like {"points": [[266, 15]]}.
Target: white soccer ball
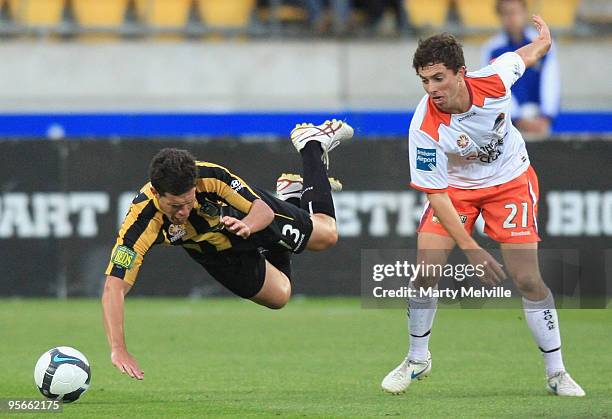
{"points": [[62, 373]]}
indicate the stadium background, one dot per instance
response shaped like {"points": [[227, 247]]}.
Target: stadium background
{"points": [[91, 89]]}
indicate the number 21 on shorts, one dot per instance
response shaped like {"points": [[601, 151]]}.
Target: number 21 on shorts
{"points": [[511, 219]]}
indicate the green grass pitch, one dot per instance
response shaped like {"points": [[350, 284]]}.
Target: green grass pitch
{"points": [[315, 358]]}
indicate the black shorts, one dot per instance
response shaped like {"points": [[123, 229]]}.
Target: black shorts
{"points": [[243, 273], [290, 230], [242, 269]]}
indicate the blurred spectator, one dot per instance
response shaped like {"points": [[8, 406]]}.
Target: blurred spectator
{"points": [[536, 94], [321, 14], [381, 17], [319, 21], [374, 11], [339, 13]]}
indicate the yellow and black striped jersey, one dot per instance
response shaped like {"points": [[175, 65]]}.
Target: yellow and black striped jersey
{"points": [[218, 192]]}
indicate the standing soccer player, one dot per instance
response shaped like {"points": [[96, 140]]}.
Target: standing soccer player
{"points": [[470, 160], [241, 235]]}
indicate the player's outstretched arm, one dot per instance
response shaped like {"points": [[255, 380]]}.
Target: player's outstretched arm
{"points": [[259, 217], [533, 52], [113, 297], [449, 218]]}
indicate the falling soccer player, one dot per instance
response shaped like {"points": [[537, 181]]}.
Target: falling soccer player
{"points": [[241, 235]]}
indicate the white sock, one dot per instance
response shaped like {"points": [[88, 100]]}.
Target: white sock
{"points": [[543, 322], [421, 313]]}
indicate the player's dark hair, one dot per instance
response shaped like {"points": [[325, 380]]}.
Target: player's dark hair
{"points": [[439, 49], [498, 4], [173, 171]]}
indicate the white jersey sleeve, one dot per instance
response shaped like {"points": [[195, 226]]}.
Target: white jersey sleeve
{"points": [[428, 163], [510, 67]]}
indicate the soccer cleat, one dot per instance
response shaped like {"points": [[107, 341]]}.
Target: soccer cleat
{"points": [[289, 185], [561, 384], [398, 380], [330, 134]]}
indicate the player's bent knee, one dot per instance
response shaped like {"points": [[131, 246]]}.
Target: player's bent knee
{"points": [[425, 282], [528, 283], [329, 240], [324, 233], [276, 289], [280, 299], [322, 242], [277, 305], [526, 279]]}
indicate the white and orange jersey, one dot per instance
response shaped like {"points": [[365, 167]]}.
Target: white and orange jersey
{"points": [[475, 149]]}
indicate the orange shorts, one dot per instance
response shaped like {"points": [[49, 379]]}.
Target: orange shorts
{"points": [[509, 210]]}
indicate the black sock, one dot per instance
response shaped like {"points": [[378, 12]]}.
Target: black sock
{"points": [[316, 193]]}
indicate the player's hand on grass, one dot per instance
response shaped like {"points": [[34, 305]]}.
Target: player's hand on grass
{"points": [[236, 226], [493, 272], [126, 363]]}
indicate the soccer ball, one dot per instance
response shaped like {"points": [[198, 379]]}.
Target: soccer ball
{"points": [[62, 373]]}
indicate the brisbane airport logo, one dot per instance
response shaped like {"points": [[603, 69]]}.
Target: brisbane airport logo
{"points": [[426, 159]]}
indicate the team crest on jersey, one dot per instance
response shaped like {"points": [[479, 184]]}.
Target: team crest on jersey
{"points": [[426, 159], [176, 231], [463, 141], [500, 122], [466, 145]]}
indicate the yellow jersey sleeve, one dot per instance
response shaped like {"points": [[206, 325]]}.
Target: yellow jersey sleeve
{"points": [[227, 186], [140, 230]]}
